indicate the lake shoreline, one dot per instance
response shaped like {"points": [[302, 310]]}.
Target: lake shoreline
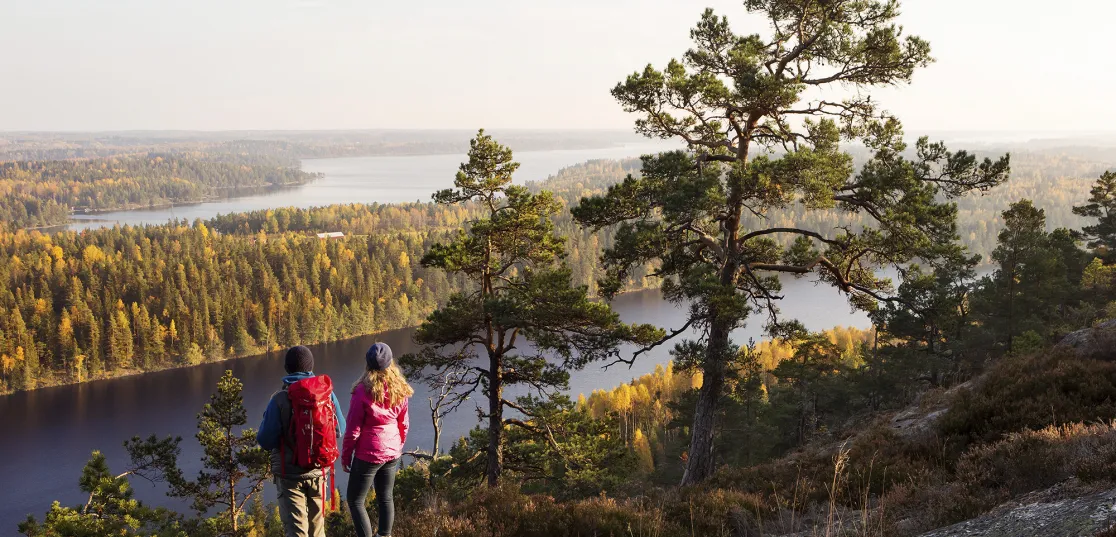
{"points": [[183, 203], [382, 179], [70, 220], [137, 372], [57, 427], [463, 150]]}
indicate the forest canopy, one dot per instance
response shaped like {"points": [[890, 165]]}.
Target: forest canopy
{"points": [[104, 302], [47, 273]]}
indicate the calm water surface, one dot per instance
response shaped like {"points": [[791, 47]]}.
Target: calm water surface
{"points": [[49, 433], [368, 180]]}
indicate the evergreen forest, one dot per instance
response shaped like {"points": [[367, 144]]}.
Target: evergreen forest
{"points": [[981, 400]]}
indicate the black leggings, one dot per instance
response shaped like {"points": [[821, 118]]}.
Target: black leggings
{"points": [[363, 476]]}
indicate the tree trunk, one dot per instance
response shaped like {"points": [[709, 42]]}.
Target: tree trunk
{"points": [[437, 430], [1011, 307], [495, 420], [233, 515], [700, 463]]}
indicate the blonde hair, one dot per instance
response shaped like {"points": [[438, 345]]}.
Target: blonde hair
{"points": [[387, 387]]}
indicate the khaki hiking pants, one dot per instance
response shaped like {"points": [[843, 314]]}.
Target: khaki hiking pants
{"points": [[301, 507]]}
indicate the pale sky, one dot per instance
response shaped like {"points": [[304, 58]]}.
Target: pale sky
{"points": [[453, 64]]}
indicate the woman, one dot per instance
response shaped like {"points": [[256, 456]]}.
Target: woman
{"points": [[377, 428]]}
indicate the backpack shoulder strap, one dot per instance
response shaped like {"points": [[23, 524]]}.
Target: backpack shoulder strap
{"points": [[286, 443], [283, 401]]}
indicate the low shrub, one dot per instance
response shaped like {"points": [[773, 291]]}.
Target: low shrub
{"points": [[506, 512], [1032, 392], [716, 511], [991, 474]]}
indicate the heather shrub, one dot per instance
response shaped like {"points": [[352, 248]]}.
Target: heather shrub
{"points": [[988, 475], [608, 517], [881, 458], [1032, 392], [1016, 465], [716, 511], [915, 507]]}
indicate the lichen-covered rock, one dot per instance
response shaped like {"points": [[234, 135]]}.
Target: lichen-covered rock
{"points": [[1077, 517], [1096, 343], [921, 418], [914, 421]]}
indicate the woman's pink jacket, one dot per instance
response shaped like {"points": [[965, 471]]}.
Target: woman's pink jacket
{"points": [[374, 434]]}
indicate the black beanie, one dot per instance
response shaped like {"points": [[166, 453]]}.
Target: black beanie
{"points": [[299, 360], [378, 357]]}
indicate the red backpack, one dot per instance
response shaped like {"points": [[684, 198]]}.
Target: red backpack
{"points": [[313, 427]]}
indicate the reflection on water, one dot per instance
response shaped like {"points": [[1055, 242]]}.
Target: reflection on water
{"points": [[50, 432]]}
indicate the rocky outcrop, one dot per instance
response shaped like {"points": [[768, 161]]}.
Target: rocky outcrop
{"points": [[914, 421], [1042, 514], [1096, 343], [921, 418]]}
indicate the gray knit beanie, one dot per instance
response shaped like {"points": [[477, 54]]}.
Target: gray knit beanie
{"points": [[378, 357]]}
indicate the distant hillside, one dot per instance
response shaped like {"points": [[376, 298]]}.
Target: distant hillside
{"points": [[15, 146], [1055, 179], [43, 193]]}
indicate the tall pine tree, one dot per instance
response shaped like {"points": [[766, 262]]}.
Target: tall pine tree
{"points": [[1102, 206], [762, 135], [1037, 275], [521, 321], [234, 467]]}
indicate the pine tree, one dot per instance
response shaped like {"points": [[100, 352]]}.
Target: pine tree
{"points": [[1101, 236], [760, 140], [521, 298], [120, 339], [1037, 273], [234, 467], [110, 510], [808, 382], [927, 329], [67, 345]]}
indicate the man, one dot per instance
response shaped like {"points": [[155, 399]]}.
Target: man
{"points": [[302, 490]]}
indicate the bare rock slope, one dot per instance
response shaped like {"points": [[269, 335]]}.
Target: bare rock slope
{"points": [[1041, 514]]}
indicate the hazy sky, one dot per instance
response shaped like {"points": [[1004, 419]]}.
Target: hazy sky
{"points": [[304, 64]]}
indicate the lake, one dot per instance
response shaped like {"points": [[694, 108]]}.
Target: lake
{"points": [[49, 433], [366, 180]]}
